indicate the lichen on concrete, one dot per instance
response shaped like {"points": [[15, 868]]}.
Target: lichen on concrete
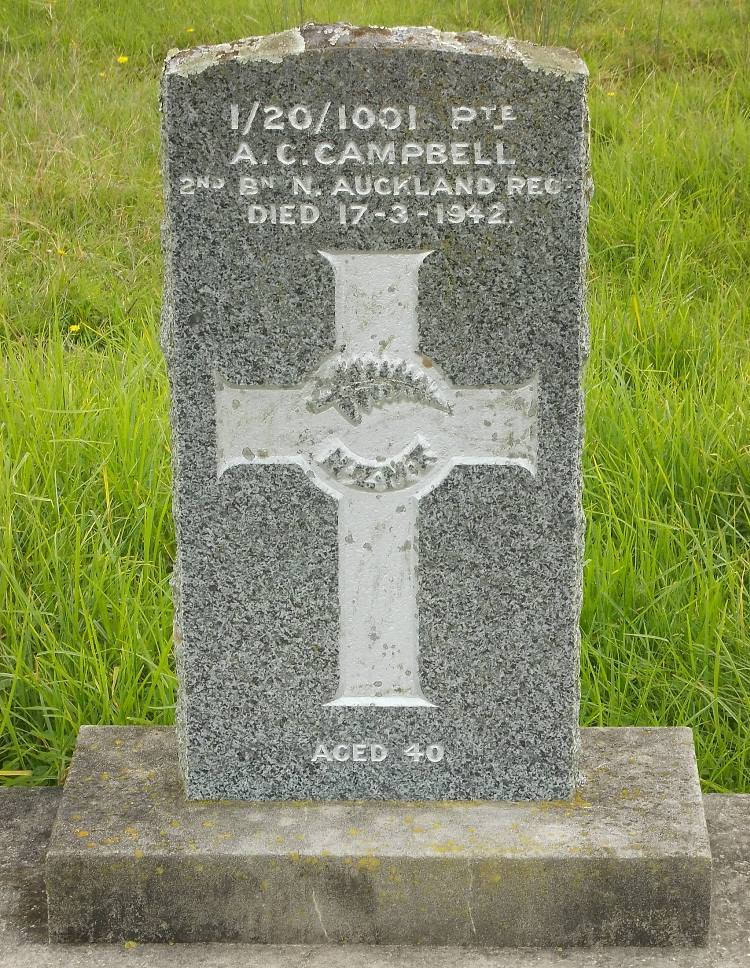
{"points": [[605, 869]]}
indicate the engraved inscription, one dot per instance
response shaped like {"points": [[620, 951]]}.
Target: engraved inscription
{"points": [[393, 474], [375, 753], [353, 164], [354, 752]]}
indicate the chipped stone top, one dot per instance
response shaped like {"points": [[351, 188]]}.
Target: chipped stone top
{"points": [[273, 48]]}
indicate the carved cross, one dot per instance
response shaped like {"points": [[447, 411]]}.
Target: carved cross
{"points": [[377, 427]]}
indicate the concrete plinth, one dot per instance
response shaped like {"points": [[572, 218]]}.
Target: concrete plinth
{"points": [[626, 862]]}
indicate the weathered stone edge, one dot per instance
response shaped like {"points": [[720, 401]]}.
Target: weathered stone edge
{"points": [[215, 899], [151, 891], [26, 816], [274, 48]]}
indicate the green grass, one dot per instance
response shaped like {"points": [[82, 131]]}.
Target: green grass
{"points": [[87, 538]]}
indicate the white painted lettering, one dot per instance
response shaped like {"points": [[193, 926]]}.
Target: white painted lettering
{"points": [[441, 187], [308, 214], [287, 214], [384, 154], [300, 117], [342, 186], [535, 185], [460, 153], [351, 152], [284, 154], [363, 117], [479, 158], [462, 115], [356, 753], [389, 118], [363, 184], [302, 185], [257, 214], [324, 153], [436, 154], [273, 121], [250, 118], [243, 153], [410, 151]]}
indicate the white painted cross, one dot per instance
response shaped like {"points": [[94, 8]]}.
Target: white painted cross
{"points": [[377, 427]]}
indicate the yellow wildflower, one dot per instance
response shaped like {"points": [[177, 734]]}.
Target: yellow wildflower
{"points": [[74, 328], [62, 251], [190, 30], [611, 93], [122, 59]]}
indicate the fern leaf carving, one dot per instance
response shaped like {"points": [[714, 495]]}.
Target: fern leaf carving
{"points": [[355, 386]]}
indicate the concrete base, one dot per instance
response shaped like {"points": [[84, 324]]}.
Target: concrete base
{"points": [[26, 816], [626, 862]]}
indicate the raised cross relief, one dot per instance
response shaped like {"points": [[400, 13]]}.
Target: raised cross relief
{"points": [[377, 427]]}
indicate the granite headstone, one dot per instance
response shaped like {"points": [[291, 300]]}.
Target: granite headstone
{"points": [[374, 323]]}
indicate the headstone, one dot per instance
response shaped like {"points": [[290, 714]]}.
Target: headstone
{"points": [[374, 325], [375, 331]]}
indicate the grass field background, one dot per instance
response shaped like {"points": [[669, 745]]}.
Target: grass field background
{"points": [[86, 538]]}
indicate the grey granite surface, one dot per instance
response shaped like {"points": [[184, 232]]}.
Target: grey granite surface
{"points": [[26, 817], [499, 550], [627, 861]]}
